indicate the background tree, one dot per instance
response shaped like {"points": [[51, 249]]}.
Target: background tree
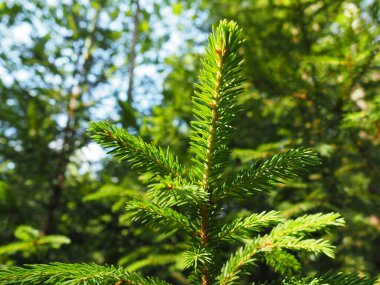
{"points": [[313, 68], [59, 61]]}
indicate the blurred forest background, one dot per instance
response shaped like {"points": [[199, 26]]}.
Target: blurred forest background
{"points": [[314, 80]]}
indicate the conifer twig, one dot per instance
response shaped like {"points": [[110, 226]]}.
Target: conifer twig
{"points": [[143, 156], [77, 273]]}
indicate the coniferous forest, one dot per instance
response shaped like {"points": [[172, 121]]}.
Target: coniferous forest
{"points": [[190, 142]]}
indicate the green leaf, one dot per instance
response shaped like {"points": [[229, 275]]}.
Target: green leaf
{"points": [[32, 245], [26, 233], [54, 241], [111, 191], [177, 8]]}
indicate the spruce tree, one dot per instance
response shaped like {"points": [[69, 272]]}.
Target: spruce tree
{"points": [[191, 198]]}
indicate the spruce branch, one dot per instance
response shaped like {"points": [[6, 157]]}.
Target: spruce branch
{"points": [[282, 262], [72, 274], [331, 278], [142, 156], [197, 256], [264, 175], [241, 228], [307, 224], [214, 103], [300, 244], [247, 254], [214, 109], [149, 213], [244, 256], [168, 192]]}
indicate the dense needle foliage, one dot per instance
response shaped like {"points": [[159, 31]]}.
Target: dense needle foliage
{"points": [[191, 199]]}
